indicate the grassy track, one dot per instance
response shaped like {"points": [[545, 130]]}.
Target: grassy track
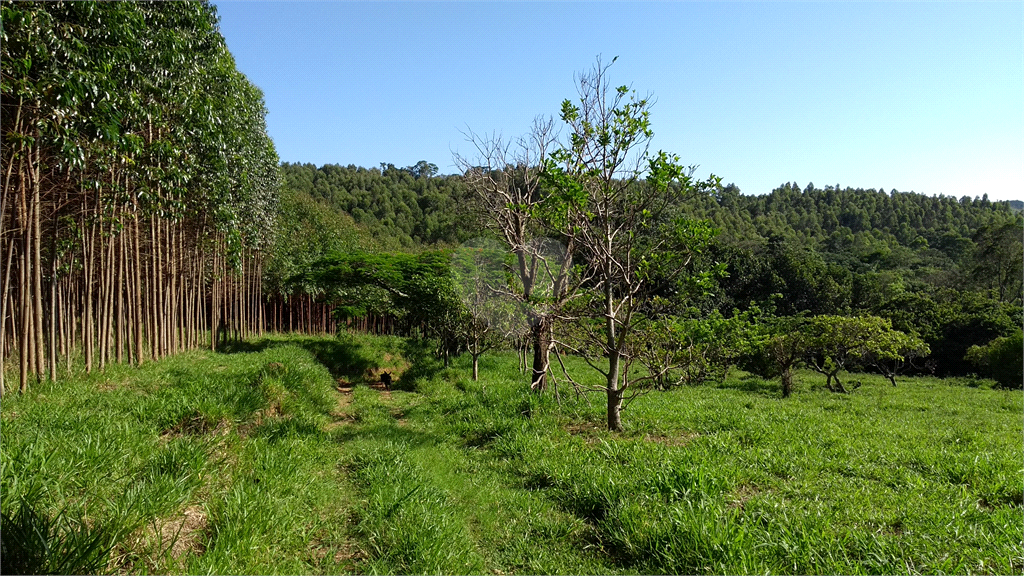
{"points": [[279, 458]]}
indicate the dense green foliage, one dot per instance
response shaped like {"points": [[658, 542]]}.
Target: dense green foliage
{"points": [[280, 473], [929, 264], [413, 205], [139, 183], [947, 270], [1001, 359]]}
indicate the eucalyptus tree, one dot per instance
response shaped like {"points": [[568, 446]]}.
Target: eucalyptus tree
{"points": [[107, 210], [608, 194]]}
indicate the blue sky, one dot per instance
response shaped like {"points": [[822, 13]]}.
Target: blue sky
{"points": [[915, 96]]}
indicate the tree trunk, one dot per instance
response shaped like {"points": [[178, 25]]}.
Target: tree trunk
{"points": [[787, 382], [3, 309], [37, 284], [24, 340], [612, 345], [540, 334]]}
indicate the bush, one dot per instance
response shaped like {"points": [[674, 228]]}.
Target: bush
{"points": [[1001, 359]]}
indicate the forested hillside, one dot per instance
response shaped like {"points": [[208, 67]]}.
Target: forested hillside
{"points": [[948, 269], [412, 205]]}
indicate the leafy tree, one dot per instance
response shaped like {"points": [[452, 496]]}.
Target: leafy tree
{"points": [[895, 353], [608, 193], [833, 341], [778, 345], [682, 350], [417, 289]]}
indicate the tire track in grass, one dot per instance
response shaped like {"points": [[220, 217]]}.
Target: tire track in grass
{"points": [[433, 504], [341, 414]]}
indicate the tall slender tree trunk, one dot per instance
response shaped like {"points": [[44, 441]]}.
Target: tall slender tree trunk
{"points": [[540, 334], [137, 288], [25, 338], [52, 316], [119, 285], [37, 284], [8, 262]]}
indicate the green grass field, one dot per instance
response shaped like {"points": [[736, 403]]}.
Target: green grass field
{"points": [[279, 457]]}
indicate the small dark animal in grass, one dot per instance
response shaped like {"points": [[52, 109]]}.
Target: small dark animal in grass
{"points": [[385, 378]]}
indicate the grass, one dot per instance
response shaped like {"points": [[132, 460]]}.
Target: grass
{"points": [[252, 462]]}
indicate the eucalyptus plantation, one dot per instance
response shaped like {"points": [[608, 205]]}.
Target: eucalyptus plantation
{"points": [[138, 185]]}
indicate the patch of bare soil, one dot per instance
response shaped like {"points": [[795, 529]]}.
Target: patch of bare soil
{"points": [[681, 439], [379, 387], [340, 414], [182, 534], [196, 425], [185, 533], [744, 492], [400, 417], [346, 557], [588, 430]]}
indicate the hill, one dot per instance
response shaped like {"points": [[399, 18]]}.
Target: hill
{"points": [[948, 269]]}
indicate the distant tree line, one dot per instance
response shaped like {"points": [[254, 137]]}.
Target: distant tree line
{"points": [[410, 206], [948, 270]]}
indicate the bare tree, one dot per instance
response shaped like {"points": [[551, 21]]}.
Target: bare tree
{"points": [[505, 178]]}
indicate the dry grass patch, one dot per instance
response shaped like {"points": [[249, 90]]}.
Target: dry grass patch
{"points": [[165, 538], [681, 439], [742, 494], [590, 431]]}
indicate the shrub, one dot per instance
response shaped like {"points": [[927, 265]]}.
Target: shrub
{"points": [[1001, 359]]}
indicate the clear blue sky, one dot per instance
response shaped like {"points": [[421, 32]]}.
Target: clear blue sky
{"points": [[915, 96]]}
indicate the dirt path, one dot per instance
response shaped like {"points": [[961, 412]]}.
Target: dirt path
{"points": [[341, 414]]}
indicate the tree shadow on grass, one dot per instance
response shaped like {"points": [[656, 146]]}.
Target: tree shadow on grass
{"points": [[343, 359], [754, 384], [423, 363], [349, 360]]}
